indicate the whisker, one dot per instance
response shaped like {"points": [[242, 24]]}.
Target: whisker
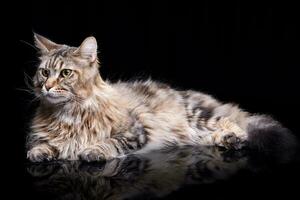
{"points": [[29, 44], [28, 81], [25, 90], [27, 76], [37, 98]]}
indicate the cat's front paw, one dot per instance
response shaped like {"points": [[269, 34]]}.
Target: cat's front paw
{"points": [[40, 154], [92, 154]]}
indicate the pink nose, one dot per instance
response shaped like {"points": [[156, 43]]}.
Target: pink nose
{"points": [[49, 84], [48, 87]]}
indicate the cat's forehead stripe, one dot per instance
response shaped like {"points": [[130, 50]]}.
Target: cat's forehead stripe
{"points": [[52, 59], [46, 63], [60, 65], [54, 62]]}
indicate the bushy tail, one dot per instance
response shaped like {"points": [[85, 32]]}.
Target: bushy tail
{"points": [[267, 136]]}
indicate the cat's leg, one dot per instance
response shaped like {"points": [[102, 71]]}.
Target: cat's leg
{"points": [[119, 144], [228, 134], [42, 152], [111, 148]]}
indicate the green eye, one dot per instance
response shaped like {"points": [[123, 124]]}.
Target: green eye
{"points": [[45, 72], [65, 72]]}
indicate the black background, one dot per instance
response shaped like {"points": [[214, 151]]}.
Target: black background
{"points": [[245, 53]]}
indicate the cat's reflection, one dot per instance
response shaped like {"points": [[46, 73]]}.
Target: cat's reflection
{"points": [[154, 175]]}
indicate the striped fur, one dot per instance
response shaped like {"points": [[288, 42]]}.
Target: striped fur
{"points": [[84, 117]]}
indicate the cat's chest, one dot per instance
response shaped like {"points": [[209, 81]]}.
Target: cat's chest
{"points": [[69, 135]]}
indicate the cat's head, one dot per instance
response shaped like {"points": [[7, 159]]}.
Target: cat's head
{"points": [[65, 73]]}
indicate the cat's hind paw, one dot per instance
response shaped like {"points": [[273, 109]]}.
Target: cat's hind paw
{"points": [[229, 140], [229, 135]]}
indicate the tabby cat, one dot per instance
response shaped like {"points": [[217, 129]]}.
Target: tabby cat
{"points": [[81, 116]]}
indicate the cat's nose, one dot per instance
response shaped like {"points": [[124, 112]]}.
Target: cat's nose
{"points": [[50, 84], [48, 87]]}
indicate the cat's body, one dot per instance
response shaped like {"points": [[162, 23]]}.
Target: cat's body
{"points": [[87, 118]]}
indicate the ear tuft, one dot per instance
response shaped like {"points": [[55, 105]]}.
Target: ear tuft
{"points": [[88, 49], [45, 45]]}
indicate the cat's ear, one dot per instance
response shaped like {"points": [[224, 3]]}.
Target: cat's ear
{"points": [[43, 44], [88, 49]]}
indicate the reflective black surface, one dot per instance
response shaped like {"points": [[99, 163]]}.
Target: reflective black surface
{"points": [[173, 174], [238, 51]]}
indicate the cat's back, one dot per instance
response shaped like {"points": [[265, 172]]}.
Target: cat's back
{"points": [[149, 93]]}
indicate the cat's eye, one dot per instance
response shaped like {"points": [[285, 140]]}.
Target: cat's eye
{"points": [[65, 72], [45, 72]]}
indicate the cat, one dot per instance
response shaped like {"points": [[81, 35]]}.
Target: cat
{"points": [[81, 116]]}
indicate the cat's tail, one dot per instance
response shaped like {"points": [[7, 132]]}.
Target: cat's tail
{"points": [[269, 137]]}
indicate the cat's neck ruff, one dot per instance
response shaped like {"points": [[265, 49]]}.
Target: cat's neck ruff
{"points": [[103, 101]]}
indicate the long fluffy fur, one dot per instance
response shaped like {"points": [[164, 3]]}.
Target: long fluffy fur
{"points": [[84, 117]]}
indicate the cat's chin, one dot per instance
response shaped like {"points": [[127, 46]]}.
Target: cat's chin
{"points": [[56, 99]]}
